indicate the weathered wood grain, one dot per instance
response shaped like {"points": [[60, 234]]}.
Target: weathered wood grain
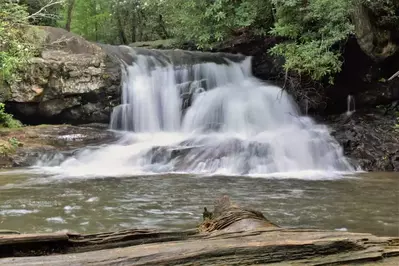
{"points": [[291, 246]]}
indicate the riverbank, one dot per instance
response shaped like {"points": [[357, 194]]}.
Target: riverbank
{"points": [[23, 147], [369, 137]]}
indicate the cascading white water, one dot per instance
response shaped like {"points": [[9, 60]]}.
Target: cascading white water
{"points": [[234, 125], [350, 105], [150, 99]]}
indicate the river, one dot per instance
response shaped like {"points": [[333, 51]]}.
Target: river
{"points": [[35, 203]]}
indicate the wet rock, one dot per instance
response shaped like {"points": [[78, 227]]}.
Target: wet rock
{"points": [[25, 146], [29, 156], [191, 154], [368, 138], [264, 65]]}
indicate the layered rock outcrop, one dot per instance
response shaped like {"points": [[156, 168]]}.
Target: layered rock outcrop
{"points": [[27, 146], [72, 81]]}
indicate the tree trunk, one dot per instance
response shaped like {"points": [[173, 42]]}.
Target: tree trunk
{"points": [[163, 33], [134, 26], [71, 4], [122, 34]]}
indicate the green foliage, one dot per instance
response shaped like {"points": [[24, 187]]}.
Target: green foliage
{"points": [[14, 142], [15, 47], [7, 120], [204, 22], [313, 28], [48, 16], [118, 21], [210, 22], [385, 12], [92, 20], [9, 146]]}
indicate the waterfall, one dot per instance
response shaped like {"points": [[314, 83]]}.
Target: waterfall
{"points": [[201, 113], [306, 106], [150, 99], [350, 102]]}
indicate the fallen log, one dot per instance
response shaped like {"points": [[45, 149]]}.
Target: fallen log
{"points": [[228, 217], [229, 235]]}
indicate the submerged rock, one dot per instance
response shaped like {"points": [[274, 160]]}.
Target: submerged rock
{"points": [[205, 154], [25, 146]]}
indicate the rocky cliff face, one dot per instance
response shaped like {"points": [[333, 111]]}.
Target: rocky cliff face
{"points": [[72, 81]]}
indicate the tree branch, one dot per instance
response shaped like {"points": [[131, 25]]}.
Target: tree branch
{"points": [[39, 13], [394, 76]]}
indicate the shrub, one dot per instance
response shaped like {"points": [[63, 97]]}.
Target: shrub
{"points": [[7, 120], [15, 46], [313, 29]]}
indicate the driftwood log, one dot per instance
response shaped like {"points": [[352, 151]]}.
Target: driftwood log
{"points": [[229, 235]]}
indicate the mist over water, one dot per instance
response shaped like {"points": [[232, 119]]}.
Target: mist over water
{"points": [[206, 118]]}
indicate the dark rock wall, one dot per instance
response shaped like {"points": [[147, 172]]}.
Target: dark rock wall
{"points": [[370, 137], [361, 77], [364, 79]]}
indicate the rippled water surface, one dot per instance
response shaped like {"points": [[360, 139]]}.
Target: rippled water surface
{"points": [[34, 203]]}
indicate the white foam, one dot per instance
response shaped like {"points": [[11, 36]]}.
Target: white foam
{"points": [[58, 220], [93, 199], [17, 212], [71, 136], [236, 125]]}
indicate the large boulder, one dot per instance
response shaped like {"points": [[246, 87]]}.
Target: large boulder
{"points": [[376, 27], [72, 80]]}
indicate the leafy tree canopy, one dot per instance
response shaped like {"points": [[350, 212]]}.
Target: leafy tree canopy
{"points": [[313, 30]]}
